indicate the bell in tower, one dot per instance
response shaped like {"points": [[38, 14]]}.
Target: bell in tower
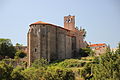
{"points": [[69, 22]]}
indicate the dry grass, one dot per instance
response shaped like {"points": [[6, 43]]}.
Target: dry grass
{"points": [[78, 78], [88, 58]]}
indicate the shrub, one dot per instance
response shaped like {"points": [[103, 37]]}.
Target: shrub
{"points": [[16, 73], [33, 73], [20, 54], [40, 63], [84, 52], [5, 71], [108, 67], [86, 72], [57, 73], [71, 63]]}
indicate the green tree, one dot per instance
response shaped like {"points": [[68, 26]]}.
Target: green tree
{"points": [[6, 48], [84, 52], [108, 50], [20, 54], [5, 71], [108, 67], [118, 50], [84, 33], [19, 45]]}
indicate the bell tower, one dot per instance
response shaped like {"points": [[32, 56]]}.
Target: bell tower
{"points": [[69, 22]]}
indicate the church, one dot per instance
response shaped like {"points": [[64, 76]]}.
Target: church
{"points": [[52, 42]]}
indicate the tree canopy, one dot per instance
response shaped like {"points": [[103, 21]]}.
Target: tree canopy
{"points": [[7, 48], [84, 52], [118, 50]]}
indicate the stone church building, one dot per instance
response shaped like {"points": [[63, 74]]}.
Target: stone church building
{"points": [[53, 42]]}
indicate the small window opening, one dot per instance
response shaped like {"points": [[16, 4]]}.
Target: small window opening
{"points": [[35, 50]]}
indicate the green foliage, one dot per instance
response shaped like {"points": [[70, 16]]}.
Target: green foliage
{"points": [[50, 73], [16, 73], [58, 73], [20, 54], [9, 61], [104, 67], [71, 63], [6, 48], [40, 63], [17, 44], [86, 73], [118, 50], [34, 74], [41, 71], [5, 71], [108, 67], [96, 60], [85, 32], [84, 52]]}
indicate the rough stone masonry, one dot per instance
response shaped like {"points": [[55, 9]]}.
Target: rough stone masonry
{"points": [[53, 42]]}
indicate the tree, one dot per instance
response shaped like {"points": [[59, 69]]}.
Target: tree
{"points": [[118, 50], [5, 71], [108, 50], [84, 52], [6, 48], [84, 33], [20, 54], [17, 44], [108, 67]]}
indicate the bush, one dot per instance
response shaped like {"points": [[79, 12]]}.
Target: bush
{"points": [[71, 63], [86, 73], [57, 73], [16, 73], [108, 67], [5, 71], [40, 63], [33, 73], [51, 73], [84, 52], [20, 54]]}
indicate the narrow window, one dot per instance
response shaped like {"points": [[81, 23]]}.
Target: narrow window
{"points": [[35, 50]]}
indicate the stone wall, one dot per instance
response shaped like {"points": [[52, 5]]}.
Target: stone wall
{"points": [[54, 42]]}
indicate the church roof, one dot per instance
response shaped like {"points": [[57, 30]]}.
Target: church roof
{"points": [[40, 22]]}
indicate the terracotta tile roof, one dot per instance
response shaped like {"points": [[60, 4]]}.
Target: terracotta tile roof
{"points": [[40, 22], [95, 45]]}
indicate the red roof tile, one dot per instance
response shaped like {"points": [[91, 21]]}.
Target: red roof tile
{"points": [[40, 22], [95, 45]]}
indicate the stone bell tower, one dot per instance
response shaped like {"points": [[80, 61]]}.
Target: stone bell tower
{"points": [[69, 22]]}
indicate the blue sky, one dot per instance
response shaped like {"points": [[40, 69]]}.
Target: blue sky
{"points": [[100, 18]]}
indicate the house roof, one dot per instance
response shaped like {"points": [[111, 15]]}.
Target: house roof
{"points": [[95, 45]]}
